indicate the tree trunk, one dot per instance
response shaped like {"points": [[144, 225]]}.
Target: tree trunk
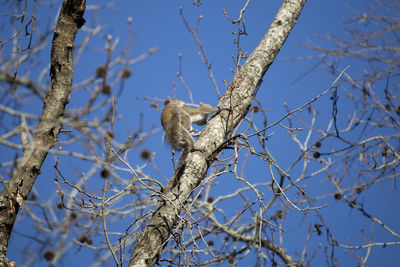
{"points": [[16, 191]]}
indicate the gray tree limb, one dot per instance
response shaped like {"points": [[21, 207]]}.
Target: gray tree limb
{"points": [[28, 166], [239, 97]]}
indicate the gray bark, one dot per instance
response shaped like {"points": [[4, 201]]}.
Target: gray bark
{"points": [[238, 97], [28, 166]]}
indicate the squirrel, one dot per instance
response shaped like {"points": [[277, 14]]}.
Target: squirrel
{"points": [[177, 120]]}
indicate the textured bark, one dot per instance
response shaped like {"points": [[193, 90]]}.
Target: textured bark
{"points": [[238, 97], [45, 136]]}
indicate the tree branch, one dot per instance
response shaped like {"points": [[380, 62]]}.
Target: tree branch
{"points": [[239, 97]]}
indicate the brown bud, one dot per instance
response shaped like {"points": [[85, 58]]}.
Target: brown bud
{"points": [[106, 89], [101, 71], [145, 154], [279, 214], [48, 255], [83, 238], [317, 228], [338, 196], [384, 151], [105, 173], [73, 216], [126, 73]]}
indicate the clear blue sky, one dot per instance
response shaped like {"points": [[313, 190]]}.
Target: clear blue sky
{"points": [[158, 24]]}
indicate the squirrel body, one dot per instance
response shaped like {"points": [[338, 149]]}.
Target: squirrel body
{"points": [[177, 120]]}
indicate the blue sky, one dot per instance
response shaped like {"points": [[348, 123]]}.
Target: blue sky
{"points": [[158, 24]]}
